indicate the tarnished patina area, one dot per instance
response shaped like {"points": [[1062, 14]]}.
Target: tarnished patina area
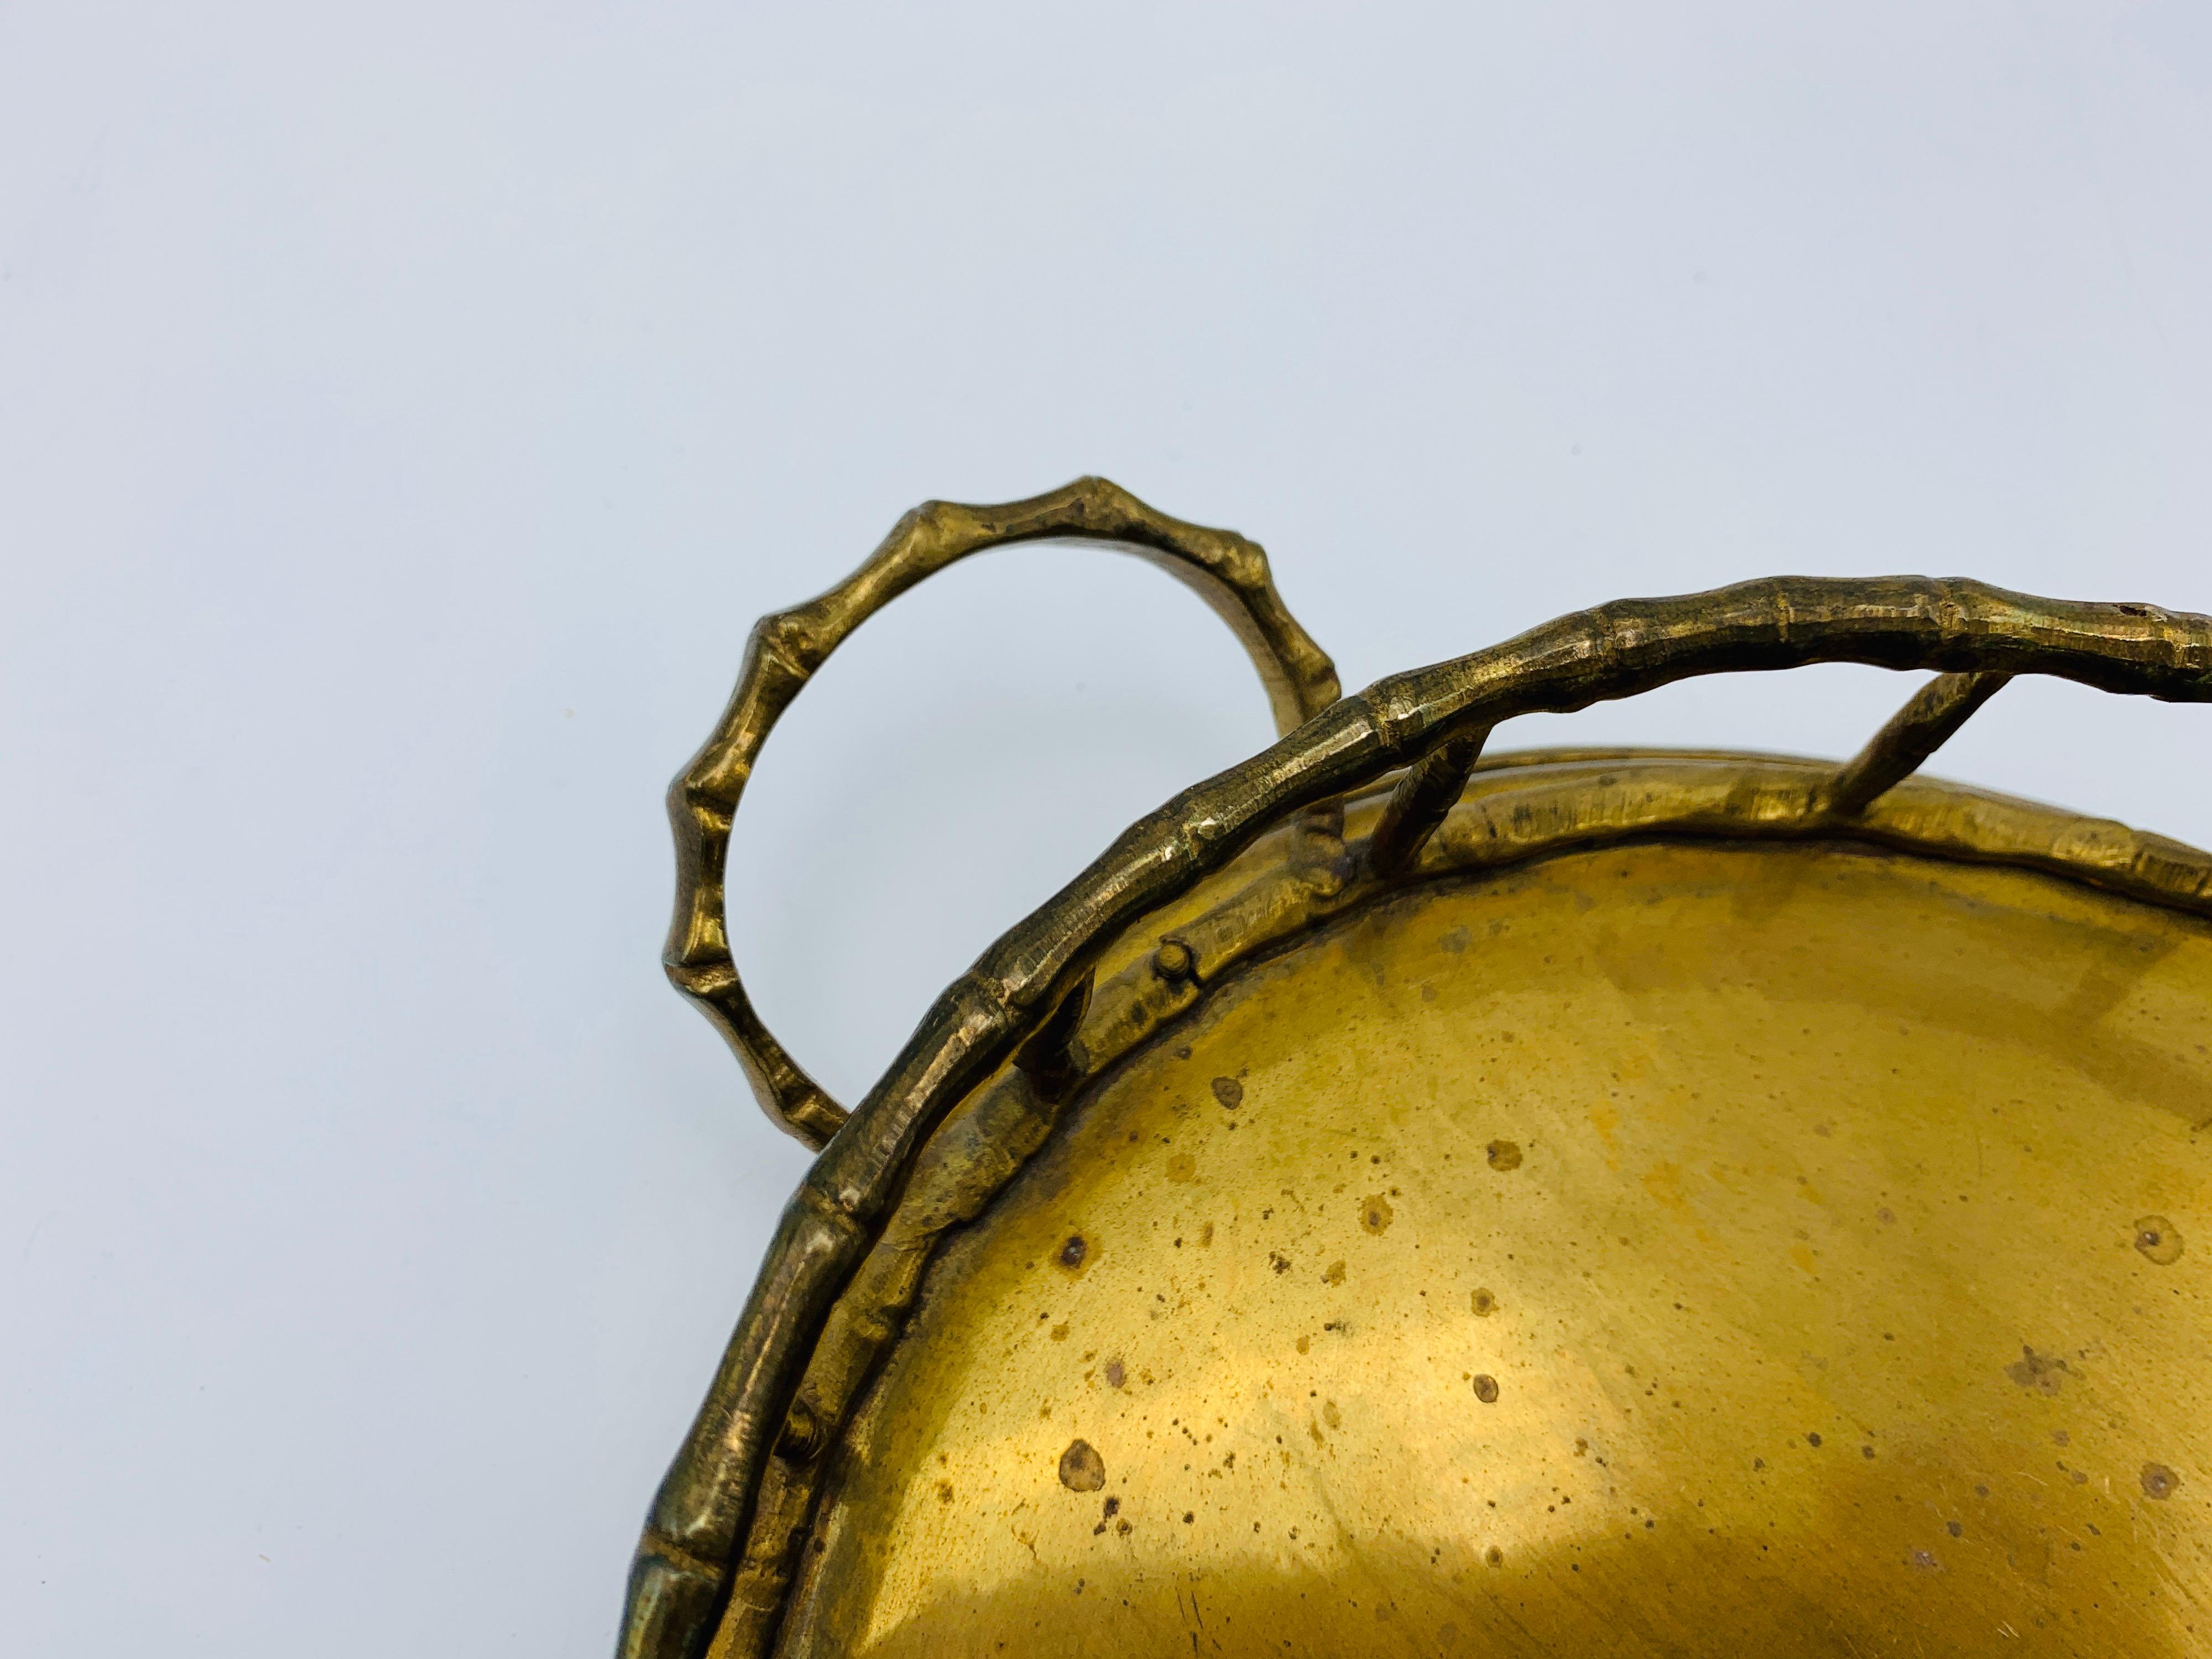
{"points": [[1701, 1248], [1520, 809]]}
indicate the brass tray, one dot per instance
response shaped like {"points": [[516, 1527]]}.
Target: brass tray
{"points": [[1399, 1200]]}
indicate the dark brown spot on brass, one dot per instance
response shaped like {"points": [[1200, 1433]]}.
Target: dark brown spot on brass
{"points": [[2157, 1240], [1495, 1556], [1953, 1528], [945, 1492], [1081, 1468], [1504, 1155], [1112, 1507], [1812, 1439], [1116, 1373], [1485, 1388], [1484, 1304], [1073, 1253], [1229, 1092], [2159, 1481], [1375, 1213], [2040, 1372]]}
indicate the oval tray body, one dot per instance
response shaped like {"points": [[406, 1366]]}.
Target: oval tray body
{"points": [[1688, 1246]]}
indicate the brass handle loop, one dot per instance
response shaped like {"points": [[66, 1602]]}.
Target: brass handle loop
{"points": [[1227, 570]]}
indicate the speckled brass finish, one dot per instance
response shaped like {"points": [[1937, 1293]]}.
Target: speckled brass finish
{"points": [[864, 1463], [1683, 1249]]}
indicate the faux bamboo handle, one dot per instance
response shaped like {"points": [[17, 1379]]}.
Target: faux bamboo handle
{"points": [[1228, 571]]}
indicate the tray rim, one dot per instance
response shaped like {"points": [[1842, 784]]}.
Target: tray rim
{"points": [[1520, 808]]}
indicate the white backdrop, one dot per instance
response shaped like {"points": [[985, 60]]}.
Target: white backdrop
{"points": [[404, 414]]}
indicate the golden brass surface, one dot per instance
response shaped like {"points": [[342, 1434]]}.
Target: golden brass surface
{"points": [[1667, 1249], [1744, 929]]}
